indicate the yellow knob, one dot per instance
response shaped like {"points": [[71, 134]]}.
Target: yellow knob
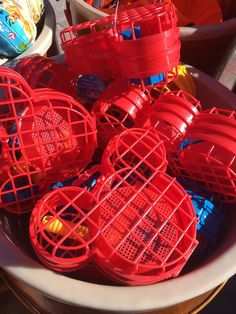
{"points": [[61, 228]]}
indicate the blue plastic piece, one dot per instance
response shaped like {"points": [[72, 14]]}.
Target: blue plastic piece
{"points": [[149, 80], [90, 86], [67, 182], [210, 217], [186, 142], [127, 34], [57, 185], [91, 182]]}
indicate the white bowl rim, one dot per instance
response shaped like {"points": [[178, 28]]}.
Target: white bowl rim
{"points": [[139, 298]]}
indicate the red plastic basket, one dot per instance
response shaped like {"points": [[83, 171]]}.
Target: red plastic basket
{"points": [[172, 114], [48, 136], [139, 149], [210, 154], [41, 72], [147, 229], [66, 209], [140, 233], [118, 109]]}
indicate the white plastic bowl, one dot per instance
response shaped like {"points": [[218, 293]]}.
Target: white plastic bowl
{"points": [[216, 269], [45, 38]]}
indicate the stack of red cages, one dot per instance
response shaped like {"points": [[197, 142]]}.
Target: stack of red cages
{"points": [[48, 137], [137, 231], [171, 115], [140, 44], [43, 72], [209, 153], [146, 44], [148, 228], [124, 213]]}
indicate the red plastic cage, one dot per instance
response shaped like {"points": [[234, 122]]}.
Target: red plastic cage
{"points": [[171, 116], [48, 137], [209, 153], [41, 72], [139, 232], [140, 149], [146, 43], [147, 229], [62, 228], [118, 109]]}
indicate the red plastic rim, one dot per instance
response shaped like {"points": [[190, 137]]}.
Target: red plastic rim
{"points": [[136, 148]]}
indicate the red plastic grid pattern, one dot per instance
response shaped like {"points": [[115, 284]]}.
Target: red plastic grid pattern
{"points": [[163, 13], [139, 149], [86, 178], [147, 229], [15, 95], [172, 114], [143, 232], [48, 137], [210, 157], [41, 72], [118, 109]]}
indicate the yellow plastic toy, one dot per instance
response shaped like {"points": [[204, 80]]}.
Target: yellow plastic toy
{"points": [[57, 227], [183, 81]]}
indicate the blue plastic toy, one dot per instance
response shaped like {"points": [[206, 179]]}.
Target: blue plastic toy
{"points": [[210, 216]]}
